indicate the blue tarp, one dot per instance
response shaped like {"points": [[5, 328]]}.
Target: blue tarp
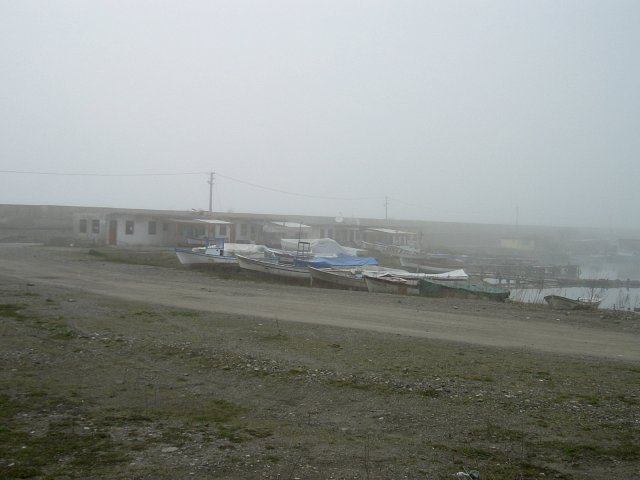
{"points": [[341, 261]]}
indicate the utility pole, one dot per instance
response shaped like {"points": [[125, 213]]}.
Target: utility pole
{"points": [[210, 182], [386, 207]]}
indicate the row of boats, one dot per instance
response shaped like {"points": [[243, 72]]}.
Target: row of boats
{"points": [[324, 262]]}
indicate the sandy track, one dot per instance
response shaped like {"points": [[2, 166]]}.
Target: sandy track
{"points": [[491, 326]]}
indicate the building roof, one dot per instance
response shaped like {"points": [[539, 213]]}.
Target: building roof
{"points": [[391, 231], [210, 221]]}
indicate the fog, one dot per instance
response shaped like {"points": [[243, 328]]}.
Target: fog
{"points": [[465, 111]]}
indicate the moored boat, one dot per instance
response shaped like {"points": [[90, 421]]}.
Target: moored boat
{"points": [[564, 303]]}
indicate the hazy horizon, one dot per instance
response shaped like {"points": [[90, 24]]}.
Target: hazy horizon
{"points": [[479, 112]]}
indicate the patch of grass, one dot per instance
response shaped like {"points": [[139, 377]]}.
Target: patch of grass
{"points": [[185, 313], [12, 310], [497, 433], [629, 400], [57, 329], [277, 337], [61, 450], [475, 453], [160, 258], [511, 470], [482, 378], [212, 411], [625, 450], [384, 388], [429, 393]]}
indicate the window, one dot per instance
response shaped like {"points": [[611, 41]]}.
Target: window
{"points": [[83, 226], [95, 226], [223, 230], [243, 229], [152, 228], [128, 227]]}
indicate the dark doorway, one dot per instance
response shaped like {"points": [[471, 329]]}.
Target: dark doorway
{"points": [[113, 232]]}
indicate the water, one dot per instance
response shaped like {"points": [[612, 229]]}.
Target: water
{"points": [[610, 267], [612, 298]]}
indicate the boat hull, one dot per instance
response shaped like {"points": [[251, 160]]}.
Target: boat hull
{"points": [[394, 285], [189, 257], [558, 302], [273, 268], [344, 279]]}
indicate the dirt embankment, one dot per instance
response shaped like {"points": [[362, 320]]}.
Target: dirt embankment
{"points": [[114, 370]]}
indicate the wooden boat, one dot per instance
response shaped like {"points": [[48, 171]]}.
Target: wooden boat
{"points": [[563, 303], [273, 267], [391, 284], [338, 278], [436, 288], [346, 278], [407, 283]]}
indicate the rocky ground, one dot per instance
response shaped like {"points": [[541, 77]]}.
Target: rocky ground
{"points": [[110, 369]]}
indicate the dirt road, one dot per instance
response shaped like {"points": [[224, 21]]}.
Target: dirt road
{"points": [[477, 322]]}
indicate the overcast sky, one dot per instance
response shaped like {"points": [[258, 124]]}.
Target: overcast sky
{"points": [[464, 111]]}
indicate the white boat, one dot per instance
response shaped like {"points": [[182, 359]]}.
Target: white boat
{"points": [[563, 303], [211, 255], [219, 254], [273, 267]]}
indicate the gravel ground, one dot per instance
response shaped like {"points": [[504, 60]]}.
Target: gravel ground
{"points": [[117, 370]]}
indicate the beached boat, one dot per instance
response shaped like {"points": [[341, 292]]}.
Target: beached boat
{"points": [[391, 284], [407, 283], [346, 278], [563, 303], [429, 287], [273, 267], [211, 255], [219, 254], [338, 278]]}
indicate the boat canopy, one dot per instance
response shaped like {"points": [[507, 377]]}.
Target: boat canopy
{"points": [[243, 248], [342, 261], [452, 275], [321, 246]]}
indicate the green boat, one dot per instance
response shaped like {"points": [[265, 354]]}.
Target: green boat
{"points": [[438, 288]]}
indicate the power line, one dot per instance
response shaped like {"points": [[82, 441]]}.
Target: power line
{"points": [[244, 182], [61, 174], [297, 194]]}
